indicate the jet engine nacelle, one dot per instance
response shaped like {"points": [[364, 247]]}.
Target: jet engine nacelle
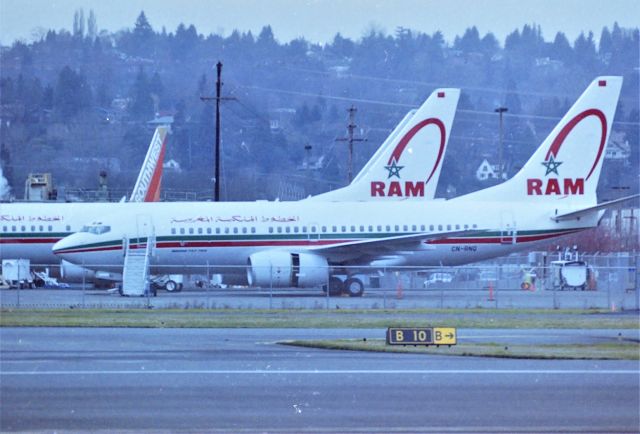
{"points": [[71, 273], [282, 269]]}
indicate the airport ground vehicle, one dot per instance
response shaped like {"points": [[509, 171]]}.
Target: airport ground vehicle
{"points": [[168, 282], [438, 278], [17, 273], [572, 274]]}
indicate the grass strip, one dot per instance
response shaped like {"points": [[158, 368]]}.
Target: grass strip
{"points": [[192, 318], [602, 351]]}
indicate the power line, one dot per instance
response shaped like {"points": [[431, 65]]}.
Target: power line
{"points": [[430, 83], [409, 106]]}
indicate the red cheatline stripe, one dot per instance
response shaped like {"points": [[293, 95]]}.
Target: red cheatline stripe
{"points": [[89, 250], [187, 244], [298, 243], [29, 240], [499, 240], [271, 243]]}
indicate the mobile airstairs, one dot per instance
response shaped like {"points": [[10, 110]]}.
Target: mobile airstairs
{"points": [[135, 275]]}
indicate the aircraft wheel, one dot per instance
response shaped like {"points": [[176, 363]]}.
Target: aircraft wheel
{"points": [[354, 287], [171, 286], [335, 286]]}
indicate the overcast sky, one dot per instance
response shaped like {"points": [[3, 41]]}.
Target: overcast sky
{"points": [[320, 20]]}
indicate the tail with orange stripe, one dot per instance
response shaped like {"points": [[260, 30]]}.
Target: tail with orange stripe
{"points": [[147, 187]]}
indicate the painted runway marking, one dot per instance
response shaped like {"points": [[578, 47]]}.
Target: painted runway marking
{"points": [[335, 372]]}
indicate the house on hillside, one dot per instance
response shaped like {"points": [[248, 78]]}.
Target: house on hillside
{"points": [[172, 166], [280, 118], [487, 170], [618, 148]]}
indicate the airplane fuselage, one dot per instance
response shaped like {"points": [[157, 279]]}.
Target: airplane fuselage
{"points": [[220, 235]]}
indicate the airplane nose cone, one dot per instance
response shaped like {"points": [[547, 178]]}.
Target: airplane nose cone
{"points": [[65, 247]]}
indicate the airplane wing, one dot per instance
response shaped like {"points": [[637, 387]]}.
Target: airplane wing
{"points": [[575, 215], [373, 248]]}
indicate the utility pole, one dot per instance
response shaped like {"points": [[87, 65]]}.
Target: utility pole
{"points": [[350, 128], [217, 98], [307, 149], [500, 111]]}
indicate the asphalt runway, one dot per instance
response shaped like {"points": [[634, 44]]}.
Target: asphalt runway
{"points": [[244, 298], [230, 380]]}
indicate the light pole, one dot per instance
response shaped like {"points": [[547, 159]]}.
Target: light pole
{"points": [[500, 111]]}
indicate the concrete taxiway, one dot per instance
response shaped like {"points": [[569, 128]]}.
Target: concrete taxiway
{"points": [[241, 380]]}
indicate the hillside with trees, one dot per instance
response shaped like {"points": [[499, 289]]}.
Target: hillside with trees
{"points": [[76, 103]]}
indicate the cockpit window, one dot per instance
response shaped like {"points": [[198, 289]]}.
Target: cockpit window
{"points": [[96, 229]]}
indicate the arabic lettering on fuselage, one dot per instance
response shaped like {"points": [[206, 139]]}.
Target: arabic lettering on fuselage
{"points": [[280, 219], [237, 219], [31, 218]]}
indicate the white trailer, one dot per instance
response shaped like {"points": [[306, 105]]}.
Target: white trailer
{"points": [[17, 272]]}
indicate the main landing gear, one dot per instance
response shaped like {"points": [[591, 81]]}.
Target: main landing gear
{"points": [[352, 286]]}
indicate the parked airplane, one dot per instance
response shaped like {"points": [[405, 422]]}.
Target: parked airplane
{"points": [[29, 230], [304, 244]]}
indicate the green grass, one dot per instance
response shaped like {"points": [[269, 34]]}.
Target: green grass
{"points": [[622, 350], [235, 318]]}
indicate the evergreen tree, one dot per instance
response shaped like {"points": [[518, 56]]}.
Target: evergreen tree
{"points": [[78, 24], [142, 31], [489, 45], [606, 42], [342, 47], [585, 49], [561, 49], [92, 27], [71, 94], [141, 102], [156, 87], [470, 41], [266, 37]]}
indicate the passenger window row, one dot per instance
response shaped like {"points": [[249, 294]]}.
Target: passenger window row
{"points": [[324, 229], [32, 228]]}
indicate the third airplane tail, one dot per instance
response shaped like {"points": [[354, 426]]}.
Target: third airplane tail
{"points": [[147, 188], [566, 167]]}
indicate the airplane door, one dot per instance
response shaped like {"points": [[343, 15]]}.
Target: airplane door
{"points": [[144, 229], [508, 231], [314, 232]]}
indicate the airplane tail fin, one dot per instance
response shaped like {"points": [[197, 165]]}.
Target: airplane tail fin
{"points": [[147, 187], [568, 162], [392, 138], [408, 164]]}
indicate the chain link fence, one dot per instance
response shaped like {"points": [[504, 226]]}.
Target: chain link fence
{"points": [[533, 281]]}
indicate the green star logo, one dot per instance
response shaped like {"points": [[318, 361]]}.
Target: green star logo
{"points": [[551, 165], [394, 169]]}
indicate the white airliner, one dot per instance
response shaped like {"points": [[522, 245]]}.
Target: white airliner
{"points": [[302, 244], [29, 230]]}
